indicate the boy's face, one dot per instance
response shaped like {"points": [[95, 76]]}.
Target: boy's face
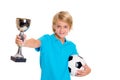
{"points": [[61, 29]]}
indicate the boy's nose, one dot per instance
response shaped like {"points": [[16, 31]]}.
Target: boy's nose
{"points": [[62, 28]]}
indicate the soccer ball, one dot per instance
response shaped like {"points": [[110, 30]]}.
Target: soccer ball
{"points": [[75, 63]]}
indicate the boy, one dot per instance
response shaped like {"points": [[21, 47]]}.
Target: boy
{"points": [[55, 49]]}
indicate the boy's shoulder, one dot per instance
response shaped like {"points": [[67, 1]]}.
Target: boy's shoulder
{"points": [[70, 42], [45, 36]]}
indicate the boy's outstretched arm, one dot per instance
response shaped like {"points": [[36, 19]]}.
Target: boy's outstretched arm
{"points": [[32, 43]]}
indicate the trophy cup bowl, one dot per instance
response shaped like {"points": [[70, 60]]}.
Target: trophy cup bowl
{"points": [[22, 25]]}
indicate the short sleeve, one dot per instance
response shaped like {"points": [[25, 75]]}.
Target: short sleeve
{"points": [[73, 49], [43, 40]]}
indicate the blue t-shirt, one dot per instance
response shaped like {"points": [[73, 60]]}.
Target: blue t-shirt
{"points": [[54, 57]]}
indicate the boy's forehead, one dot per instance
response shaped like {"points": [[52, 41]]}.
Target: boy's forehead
{"points": [[60, 22]]}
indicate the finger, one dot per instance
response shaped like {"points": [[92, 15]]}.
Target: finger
{"points": [[25, 36], [17, 36], [79, 74]]}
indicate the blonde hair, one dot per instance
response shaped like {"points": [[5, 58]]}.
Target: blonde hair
{"points": [[63, 16]]}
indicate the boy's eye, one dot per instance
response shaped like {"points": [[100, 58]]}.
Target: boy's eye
{"points": [[58, 26], [65, 26]]}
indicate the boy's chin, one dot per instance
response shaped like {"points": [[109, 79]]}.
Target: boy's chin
{"points": [[62, 36]]}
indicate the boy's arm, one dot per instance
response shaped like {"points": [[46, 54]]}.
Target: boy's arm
{"points": [[32, 43], [84, 72]]}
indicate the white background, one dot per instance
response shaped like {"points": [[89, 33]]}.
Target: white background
{"points": [[96, 33]]}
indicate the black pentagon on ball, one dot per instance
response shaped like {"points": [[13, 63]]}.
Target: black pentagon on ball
{"points": [[70, 58], [69, 69], [78, 64]]}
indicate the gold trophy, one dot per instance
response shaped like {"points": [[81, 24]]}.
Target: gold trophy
{"points": [[22, 25]]}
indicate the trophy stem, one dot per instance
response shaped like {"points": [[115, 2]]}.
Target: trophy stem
{"points": [[18, 57], [21, 34], [19, 52]]}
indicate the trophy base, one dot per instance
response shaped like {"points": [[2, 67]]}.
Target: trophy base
{"points": [[18, 59]]}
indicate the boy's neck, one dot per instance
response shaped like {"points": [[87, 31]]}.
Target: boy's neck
{"points": [[61, 39]]}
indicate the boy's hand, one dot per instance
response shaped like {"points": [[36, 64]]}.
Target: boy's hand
{"points": [[84, 72], [18, 40]]}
